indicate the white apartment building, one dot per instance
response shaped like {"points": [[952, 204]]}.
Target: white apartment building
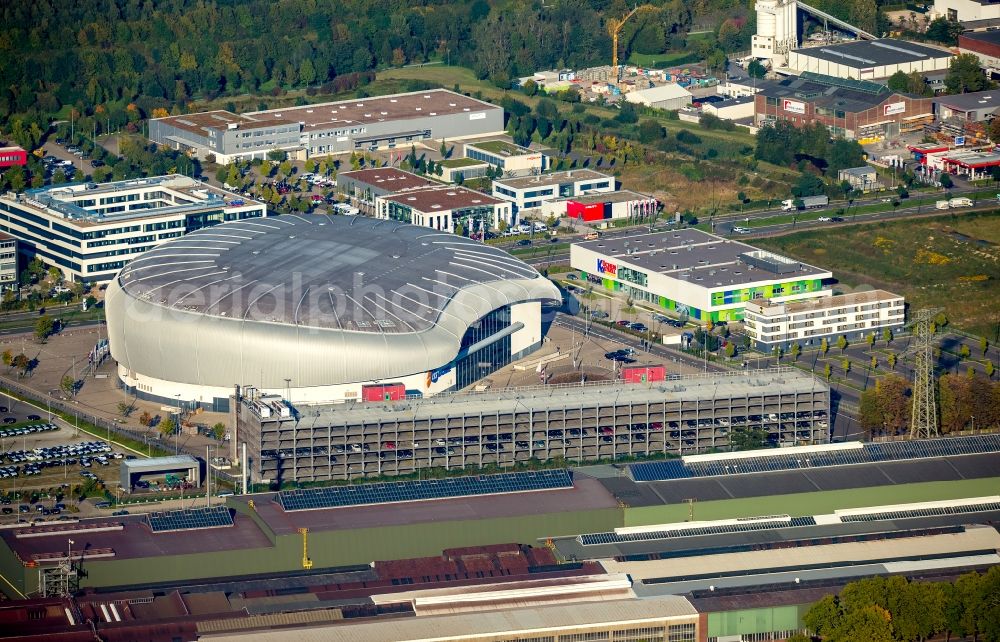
{"points": [[91, 230], [771, 324]]}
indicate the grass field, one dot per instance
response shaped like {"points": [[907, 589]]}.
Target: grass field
{"points": [[951, 261], [818, 503], [662, 60]]}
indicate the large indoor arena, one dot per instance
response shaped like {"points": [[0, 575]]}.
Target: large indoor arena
{"points": [[319, 309]]}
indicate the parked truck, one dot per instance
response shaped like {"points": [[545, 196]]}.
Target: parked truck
{"points": [[808, 203], [954, 202]]}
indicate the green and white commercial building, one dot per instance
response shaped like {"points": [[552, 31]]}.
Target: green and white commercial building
{"points": [[694, 273]]}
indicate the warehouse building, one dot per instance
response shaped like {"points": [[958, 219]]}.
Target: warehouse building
{"points": [[601, 206], [983, 44], [974, 107], [695, 274], [512, 159], [670, 96], [600, 420], [853, 316], [444, 208], [362, 124], [869, 59], [90, 231], [736, 108], [319, 308], [855, 110], [530, 192], [363, 186], [863, 178]]}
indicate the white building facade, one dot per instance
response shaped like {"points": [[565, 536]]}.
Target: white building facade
{"points": [[531, 192], [444, 208], [90, 231], [772, 324]]}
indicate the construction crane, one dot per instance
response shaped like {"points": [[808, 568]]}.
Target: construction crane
{"points": [[306, 562], [615, 28]]}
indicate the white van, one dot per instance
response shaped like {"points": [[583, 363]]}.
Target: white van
{"points": [[344, 209], [540, 227]]}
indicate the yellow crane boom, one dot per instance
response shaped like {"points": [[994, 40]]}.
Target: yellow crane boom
{"points": [[615, 28], [306, 562]]}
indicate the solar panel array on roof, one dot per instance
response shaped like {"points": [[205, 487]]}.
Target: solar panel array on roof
{"points": [[189, 519], [408, 491], [774, 461], [593, 539], [921, 512]]}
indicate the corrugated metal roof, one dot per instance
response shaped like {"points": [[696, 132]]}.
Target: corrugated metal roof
{"points": [[447, 627], [170, 461], [253, 622]]}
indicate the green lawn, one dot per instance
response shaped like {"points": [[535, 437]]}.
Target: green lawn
{"points": [[501, 147], [662, 60], [950, 260], [459, 162]]}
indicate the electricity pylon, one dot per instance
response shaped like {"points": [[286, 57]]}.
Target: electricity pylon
{"points": [[923, 418]]}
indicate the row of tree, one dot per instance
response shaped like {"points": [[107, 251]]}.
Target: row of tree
{"points": [[786, 145], [964, 402], [893, 609]]}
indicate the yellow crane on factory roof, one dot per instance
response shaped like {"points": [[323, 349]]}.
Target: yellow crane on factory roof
{"points": [[615, 28], [306, 562]]}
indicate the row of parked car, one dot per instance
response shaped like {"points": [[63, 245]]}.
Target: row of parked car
{"points": [[26, 430], [85, 451]]}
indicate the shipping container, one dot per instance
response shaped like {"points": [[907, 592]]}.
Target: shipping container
{"points": [[644, 374], [383, 392]]}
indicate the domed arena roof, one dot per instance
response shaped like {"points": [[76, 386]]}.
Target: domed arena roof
{"points": [[333, 299]]}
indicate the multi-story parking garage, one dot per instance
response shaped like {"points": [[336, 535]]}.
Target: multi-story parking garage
{"points": [[577, 422]]}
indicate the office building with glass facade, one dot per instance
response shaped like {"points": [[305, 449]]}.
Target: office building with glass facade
{"points": [[444, 208], [8, 261], [90, 230], [694, 274], [335, 310], [510, 158], [530, 192]]}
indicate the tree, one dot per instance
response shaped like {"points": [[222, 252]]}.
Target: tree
{"points": [[870, 339], [944, 31], [730, 350], [990, 369], [21, 363], [68, 385], [827, 371], [650, 131], [842, 343], [984, 345], [145, 419], [946, 181], [219, 430], [44, 327], [823, 617], [125, 409], [755, 69], [898, 82], [167, 427], [887, 336], [824, 346], [796, 351], [747, 438], [892, 360], [846, 365], [965, 75], [964, 351], [8, 357]]}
